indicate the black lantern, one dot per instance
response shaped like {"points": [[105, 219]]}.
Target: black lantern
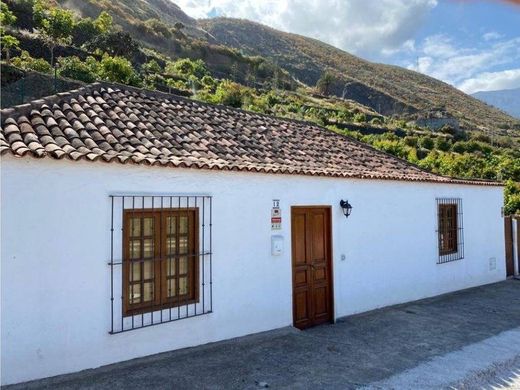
{"points": [[346, 207]]}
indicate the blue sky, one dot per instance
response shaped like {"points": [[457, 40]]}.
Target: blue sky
{"points": [[471, 44]]}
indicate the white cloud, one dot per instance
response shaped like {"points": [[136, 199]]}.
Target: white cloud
{"points": [[491, 36], [383, 30], [371, 29], [492, 81], [440, 58]]}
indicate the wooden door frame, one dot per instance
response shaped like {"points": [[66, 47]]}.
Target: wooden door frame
{"points": [[330, 262]]}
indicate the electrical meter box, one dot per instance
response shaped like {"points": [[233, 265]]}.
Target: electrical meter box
{"points": [[276, 245]]}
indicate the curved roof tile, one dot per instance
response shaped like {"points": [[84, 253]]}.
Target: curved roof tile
{"points": [[116, 123]]}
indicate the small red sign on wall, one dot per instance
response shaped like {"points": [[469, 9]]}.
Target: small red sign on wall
{"points": [[276, 216]]}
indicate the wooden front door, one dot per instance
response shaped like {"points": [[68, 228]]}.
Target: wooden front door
{"points": [[312, 266]]}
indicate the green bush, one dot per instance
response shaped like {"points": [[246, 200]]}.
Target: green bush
{"points": [[411, 141], [512, 198], [77, 69], [119, 44], [152, 67], [426, 143], [186, 67], [443, 144], [209, 83], [360, 117], [25, 61], [155, 26], [230, 93], [118, 69]]}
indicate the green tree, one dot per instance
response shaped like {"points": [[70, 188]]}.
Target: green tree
{"points": [[7, 18], [7, 41], [117, 69], [443, 144], [230, 93], [512, 198], [119, 44], [103, 23], [152, 67], [55, 25], [77, 69], [84, 31], [186, 67], [324, 83], [426, 143]]}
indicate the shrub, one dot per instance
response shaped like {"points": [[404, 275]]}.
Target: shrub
{"points": [[324, 83], [443, 144], [209, 83], [117, 69], [512, 198], [230, 94], [360, 117], [103, 23], [186, 67], [77, 69], [25, 61], [158, 27], [152, 67], [411, 141], [426, 143]]}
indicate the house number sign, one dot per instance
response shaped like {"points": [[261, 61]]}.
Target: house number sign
{"points": [[276, 215]]}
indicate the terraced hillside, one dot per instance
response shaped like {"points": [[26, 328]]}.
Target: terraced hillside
{"points": [[387, 89]]}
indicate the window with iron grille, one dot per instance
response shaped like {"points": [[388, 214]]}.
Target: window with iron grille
{"points": [[163, 271], [450, 229]]}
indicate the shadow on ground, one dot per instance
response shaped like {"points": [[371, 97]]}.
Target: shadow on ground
{"points": [[356, 351]]}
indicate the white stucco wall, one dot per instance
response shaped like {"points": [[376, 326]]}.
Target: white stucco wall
{"points": [[55, 282]]}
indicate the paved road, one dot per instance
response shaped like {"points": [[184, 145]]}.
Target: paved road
{"points": [[469, 339]]}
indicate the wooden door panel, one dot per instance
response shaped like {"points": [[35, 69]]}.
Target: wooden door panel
{"points": [[320, 274], [320, 301], [300, 278], [312, 281], [301, 308], [299, 239], [318, 240]]}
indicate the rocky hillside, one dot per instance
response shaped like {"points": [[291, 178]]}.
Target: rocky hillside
{"points": [[387, 89]]}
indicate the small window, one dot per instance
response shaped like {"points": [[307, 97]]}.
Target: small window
{"points": [[160, 259], [450, 230]]}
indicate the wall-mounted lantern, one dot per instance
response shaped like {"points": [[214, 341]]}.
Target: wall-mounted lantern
{"points": [[346, 207]]}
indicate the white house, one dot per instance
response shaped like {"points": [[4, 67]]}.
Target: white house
{"points": [[136, 222]]}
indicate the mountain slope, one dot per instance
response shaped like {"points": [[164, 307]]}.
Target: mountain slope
{"points": [[129, 13], [507, 100], [385, 88]]}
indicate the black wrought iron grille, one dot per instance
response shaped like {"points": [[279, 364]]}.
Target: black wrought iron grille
{"points": [[450, 230], [161, 292]]}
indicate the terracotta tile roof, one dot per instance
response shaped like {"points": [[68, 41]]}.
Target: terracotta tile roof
{"points": [[115, 123]]}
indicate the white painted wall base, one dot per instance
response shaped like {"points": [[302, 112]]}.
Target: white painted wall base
{"points": [[56, 243]]}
